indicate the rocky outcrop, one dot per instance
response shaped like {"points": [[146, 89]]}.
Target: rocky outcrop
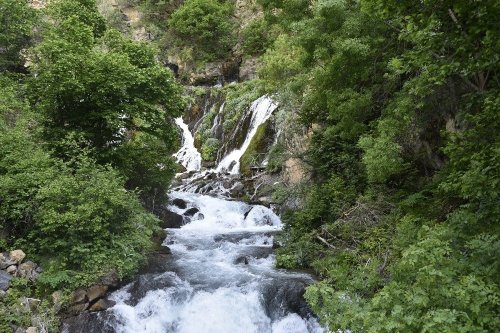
{"points": [[12, 265], [90, 299]]}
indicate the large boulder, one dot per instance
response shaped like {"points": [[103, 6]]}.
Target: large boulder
{"points": [[17, 256], [179, 203], [191, 211], [170, 219], [5, 280]]}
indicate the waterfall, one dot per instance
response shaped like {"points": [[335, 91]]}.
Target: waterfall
{"points": [[188, 155], [261, 109], [220, 274]]}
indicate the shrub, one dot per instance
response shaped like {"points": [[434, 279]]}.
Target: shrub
{"points": [[256, 37], [209, 149]]}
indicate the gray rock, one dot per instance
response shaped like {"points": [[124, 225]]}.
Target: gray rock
{"points": [[77, 308], [191, 211], [12, 270], [79, 296], [179, 203], [96, 292], [6, 260], [170, 219], [27, 270], [30, 303], [5, 280]]}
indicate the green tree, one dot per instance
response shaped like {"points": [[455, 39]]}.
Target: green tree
{"points": [[109, 94], [17, 21], [206, 26]]}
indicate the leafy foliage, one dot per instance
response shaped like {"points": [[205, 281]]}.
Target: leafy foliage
{"points": [[17, 20], [404, 157], [82, 136], [206, 26]]}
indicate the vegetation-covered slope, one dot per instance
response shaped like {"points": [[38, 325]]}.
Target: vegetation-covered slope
{"points": [[402, 221], [85, 143]]}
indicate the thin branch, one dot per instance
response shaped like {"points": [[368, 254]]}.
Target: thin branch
{"points": [[325, 242]]}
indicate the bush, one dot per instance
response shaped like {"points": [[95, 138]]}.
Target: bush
{"points": [[209, 149], [256, 37], [77, 213], [206, 26]]}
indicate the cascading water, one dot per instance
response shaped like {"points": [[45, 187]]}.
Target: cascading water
{"points": [[261, 109], [220, 275], [188, 155]]}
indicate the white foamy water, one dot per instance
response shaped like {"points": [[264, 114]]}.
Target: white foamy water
{"points": [[220, 278], [261, 109], [188, 155]]}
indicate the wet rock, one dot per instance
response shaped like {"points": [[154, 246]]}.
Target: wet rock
{"points": [[208, 164], [17, 256], [6, 260], [191, 211], [246, 213], [148, 282], [5, 280], [285, 296], [77, 308], [170, 219], [87, 322], [158, 261], [179, 203], [102, 304], [241, 260], [96, 292], [184, 175], [201, 216]]}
